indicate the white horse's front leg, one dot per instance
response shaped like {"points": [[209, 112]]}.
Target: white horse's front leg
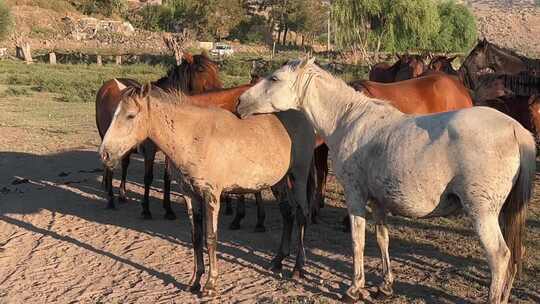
{"points": [[356, 205]]}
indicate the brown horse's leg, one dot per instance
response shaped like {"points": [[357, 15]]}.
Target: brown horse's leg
{"points": [[312, 193], [148, 179], [211, 202], [109, 188], [122, 190], [320, 155], [169, 214], [261, 214], [346, 223], [285, 244], [228, 204], [240, 213], [196, 219]]}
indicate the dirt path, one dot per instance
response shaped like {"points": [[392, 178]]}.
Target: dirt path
{"points": [[59, 245]]}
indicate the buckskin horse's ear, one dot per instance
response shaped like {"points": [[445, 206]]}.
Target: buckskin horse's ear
{"points": [[450, 59], [145, 90], [188, 57], [119, 85]]}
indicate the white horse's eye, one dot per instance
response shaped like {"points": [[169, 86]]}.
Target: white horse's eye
{"points": [[274, 78]]}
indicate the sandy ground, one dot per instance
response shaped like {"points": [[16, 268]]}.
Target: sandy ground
{"points": [[59, 245]]}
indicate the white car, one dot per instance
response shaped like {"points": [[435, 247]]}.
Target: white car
{"points": [[221, 49]]}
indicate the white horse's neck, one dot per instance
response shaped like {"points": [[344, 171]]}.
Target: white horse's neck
{"points": [[330, 104]]}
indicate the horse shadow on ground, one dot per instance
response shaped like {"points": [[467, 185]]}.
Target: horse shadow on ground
{"points": [[70, 183]]}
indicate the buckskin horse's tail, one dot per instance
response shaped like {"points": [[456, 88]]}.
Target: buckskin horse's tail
{"points": [[514, 211]]}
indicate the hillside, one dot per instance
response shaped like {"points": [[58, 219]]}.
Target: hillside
{"points": [[50, 24], [510, 23]]}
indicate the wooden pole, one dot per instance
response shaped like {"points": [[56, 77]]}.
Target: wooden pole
{"points": [[99, 61], [52, 58], [118, 59]]}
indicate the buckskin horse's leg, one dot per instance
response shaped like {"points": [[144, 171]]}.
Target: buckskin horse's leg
{"points": [[108, 176], [240, 213], [169, 214], [288, 219], [122, 191], [320, 155], [196, 219], [381, 230], [211, 203], [228, 204], [261, 214], [149, 158], [298, 201]]}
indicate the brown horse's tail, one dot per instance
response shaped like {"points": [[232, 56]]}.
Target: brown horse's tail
{"points": [[514, 211]]}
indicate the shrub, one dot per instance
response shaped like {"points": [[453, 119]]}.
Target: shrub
{"points": [[106, 8], [5, 20]]}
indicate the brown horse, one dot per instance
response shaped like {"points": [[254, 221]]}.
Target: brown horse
{"points": [[407, 67], [427, 94], [196, 74], [442, 64]]}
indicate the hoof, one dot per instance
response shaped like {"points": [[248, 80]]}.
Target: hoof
{"points": [[195, 288], [209, 291], [384, 291], [260, 228], [297, 274], [146, 215], [234, 225], [353, 295], [170, 216], [275, 266]]}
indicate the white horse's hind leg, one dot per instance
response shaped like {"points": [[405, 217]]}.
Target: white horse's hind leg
{"points": [[498, 253], [381, 230]]}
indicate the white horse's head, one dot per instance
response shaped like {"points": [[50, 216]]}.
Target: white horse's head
{"points": [[281, 91]]}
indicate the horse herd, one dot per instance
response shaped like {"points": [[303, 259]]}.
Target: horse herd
{"points": [[389, 149]]}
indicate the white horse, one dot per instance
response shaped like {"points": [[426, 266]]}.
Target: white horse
{"points": [[416, 166]]}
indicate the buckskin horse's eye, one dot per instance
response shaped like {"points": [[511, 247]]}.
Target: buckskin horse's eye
{"points": [[131, 116]]}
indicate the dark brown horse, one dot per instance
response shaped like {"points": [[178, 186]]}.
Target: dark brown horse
{"points": [[487, 57], [407, 67], [196, 74]]}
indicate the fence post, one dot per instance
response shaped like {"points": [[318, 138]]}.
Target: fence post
{"points": [[118, 59], [99, 61], [52, 58]]}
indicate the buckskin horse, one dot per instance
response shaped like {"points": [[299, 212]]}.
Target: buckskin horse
{"points": [[196, 74], [417, 166], [213, 151]]}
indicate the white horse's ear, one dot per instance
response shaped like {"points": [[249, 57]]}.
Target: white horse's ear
{"points": [[311, 60], [119, 85]]}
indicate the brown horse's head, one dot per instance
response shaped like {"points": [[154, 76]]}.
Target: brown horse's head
{"points": [[129, 126], [491, 87], [196, 74], [534, 109], [409, 66], [443, 64]]}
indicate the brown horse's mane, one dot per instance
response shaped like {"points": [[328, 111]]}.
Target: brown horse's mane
{"points": [[179, 77]]}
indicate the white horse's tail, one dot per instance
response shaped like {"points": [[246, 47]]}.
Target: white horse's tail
{"points": [[514, 211]]}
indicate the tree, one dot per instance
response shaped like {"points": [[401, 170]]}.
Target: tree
{"points": [[392, 25], [458, 28], [5, 20]]}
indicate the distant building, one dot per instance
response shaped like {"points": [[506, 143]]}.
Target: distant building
{"points": [[144, 2]]}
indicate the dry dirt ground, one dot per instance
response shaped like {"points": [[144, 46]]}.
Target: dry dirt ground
{"points": [[59, 245]]}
